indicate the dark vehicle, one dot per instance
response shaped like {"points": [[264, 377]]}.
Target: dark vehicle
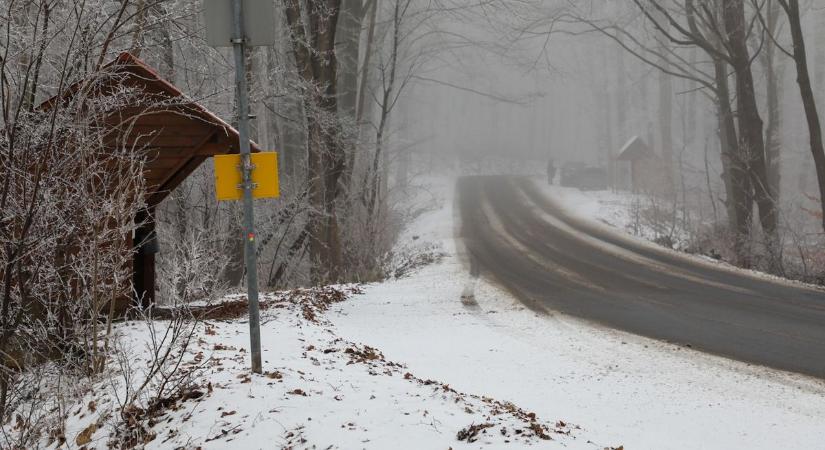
{"points": [[579, 175], [569, 170]]}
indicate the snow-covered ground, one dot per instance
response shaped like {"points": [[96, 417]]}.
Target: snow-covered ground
{"points": [[620, 389], [413, 363], [639, 215], [318, 390], [630, 213]]}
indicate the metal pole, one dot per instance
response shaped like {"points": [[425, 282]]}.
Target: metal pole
{"points": [[251, 259]]}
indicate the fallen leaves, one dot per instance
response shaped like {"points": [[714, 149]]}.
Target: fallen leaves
{"points": [[275, 375], [470, 433], [225, 432], [312, 302], [539, 430], [347, 363], [85, 436], [363, 355], [245, 378], [494, 411]]}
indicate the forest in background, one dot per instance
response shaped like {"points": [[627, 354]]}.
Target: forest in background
{"points": [[726, 93]]}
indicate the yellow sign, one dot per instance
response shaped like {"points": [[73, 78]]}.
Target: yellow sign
{"points": [[228, 178]]}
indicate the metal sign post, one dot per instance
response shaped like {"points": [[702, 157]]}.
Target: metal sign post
{"points": [[216, 13], [250, 249]]}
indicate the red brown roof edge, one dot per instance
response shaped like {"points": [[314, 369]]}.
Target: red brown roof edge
{"points": [[128, 62]]}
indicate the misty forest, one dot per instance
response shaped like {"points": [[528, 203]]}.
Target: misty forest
{"points": [[427, 150]]}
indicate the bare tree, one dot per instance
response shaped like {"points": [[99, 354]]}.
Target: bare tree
{"points": [[773, 80], [803, 78], [687, 26], [312, 29]]}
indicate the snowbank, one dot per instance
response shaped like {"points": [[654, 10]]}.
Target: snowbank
{"points": [[638, 215], [624, 211], [319, 390]]}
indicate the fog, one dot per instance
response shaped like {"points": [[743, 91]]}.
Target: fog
{"points": [[539, 85], [490, 105]]}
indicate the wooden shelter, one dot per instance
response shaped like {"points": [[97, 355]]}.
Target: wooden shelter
{"points": [[639, 156], [176, 133]]}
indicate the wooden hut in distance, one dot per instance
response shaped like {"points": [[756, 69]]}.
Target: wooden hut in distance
{"points": [[642, 161]]}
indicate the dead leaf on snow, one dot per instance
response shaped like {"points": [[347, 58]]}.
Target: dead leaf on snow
{"points": [[244, 377], [85, 436], [470, 434]]}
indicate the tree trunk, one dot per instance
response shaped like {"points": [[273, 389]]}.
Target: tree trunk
{"points": [[361, 93], [287, 113], [738, 199], [819, 63], [349, 39], [167, 47], [315, 180], [349, 35], [607, 112], [621, 98], [619, 177], [666, 123], [773, 82], [317, 66], [808, 101], [139, 28], [693, 110], [751, 139], [380, 178]]}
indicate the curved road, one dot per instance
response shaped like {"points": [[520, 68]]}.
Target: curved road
{"points": [[555, 262]]}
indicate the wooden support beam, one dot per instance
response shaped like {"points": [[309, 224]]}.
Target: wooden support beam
{"points": [[160, 141], [193, 151], [143, 265], [190, 129], [171, 183], [217, 148]]}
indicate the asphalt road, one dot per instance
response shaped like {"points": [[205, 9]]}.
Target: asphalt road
{"points": [[522, 239]]}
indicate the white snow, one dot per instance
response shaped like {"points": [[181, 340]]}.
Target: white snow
{"points": [[412, 361], [621, 212], [318, 390], [620, 388]]}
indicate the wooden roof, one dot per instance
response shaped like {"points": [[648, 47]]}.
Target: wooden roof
{"points": [[177, 133], [635, 149]]}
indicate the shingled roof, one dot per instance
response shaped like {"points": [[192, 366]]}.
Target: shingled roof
{"points": [[177, 133], [634, 150]]}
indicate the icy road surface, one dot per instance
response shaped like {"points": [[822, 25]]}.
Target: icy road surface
{"points": [[554, 262]]}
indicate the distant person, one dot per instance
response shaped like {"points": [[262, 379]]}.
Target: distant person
{"points": [[551, 171]]}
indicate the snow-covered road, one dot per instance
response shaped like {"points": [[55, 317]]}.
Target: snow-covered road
{"points": [[620, 388]]}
